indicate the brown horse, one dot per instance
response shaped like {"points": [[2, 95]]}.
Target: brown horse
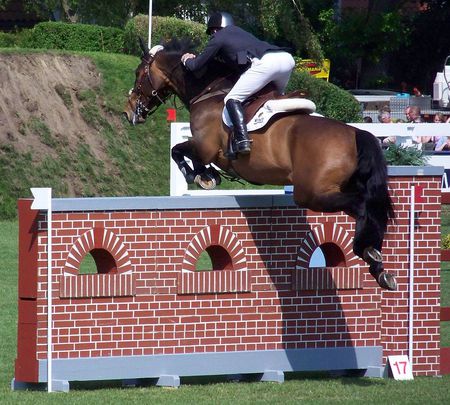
{"points": [[332, 166]]}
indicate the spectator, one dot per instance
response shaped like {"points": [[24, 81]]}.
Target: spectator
{"points": [[367, 119], [439, 118], [384, 116], [412, 113], [440, 142]]}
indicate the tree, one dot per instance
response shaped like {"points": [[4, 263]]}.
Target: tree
{"points": [[358, 42], [427, 46]]}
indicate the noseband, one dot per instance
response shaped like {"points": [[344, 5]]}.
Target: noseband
{"points": [[144, 100]]}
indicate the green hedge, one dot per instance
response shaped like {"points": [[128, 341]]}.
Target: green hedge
{"points": [[163, 28], [7, 40], [74, 37], [331, 101]]}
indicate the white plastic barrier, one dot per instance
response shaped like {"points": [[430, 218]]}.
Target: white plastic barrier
{"points": [[180, 132]]}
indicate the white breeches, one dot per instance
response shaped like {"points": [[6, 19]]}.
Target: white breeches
{"points": [[272, 67]]}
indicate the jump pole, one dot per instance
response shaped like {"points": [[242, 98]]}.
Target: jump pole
{"points": [[150, 12], [415, 196], [43, 201]]}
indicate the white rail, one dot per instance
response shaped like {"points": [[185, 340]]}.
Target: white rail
{"points": [[180, 132]]}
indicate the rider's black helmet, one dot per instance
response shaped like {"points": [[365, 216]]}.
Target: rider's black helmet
{"points": [[219, 20]]}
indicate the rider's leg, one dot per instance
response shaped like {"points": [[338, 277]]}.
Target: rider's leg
{"points": [[285, 65], [273, 66], [236, 113]]}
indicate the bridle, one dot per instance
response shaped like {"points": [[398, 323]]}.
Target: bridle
{"points": [[143, 100]]}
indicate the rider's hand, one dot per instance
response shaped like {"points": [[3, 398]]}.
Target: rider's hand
{"points": [[187, 56]]}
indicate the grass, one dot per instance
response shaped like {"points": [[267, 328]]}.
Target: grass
{"points": [[305, 388]]}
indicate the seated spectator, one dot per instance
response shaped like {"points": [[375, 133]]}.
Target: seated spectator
{"points": [[438, 118], [384, 116], [441, 143], [413, 114], [367, 119]]}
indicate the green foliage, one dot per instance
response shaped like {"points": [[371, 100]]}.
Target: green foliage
{"points": [[288, 23], [75, 37], [163, 28], [397, 155], [445, 242], [331, 101], [64, 93], [7, 40], [357, 41], [40, 128], [426, 46]]}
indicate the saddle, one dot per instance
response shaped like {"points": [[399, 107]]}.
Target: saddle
{"points": [[256, 101], [262, 106]]}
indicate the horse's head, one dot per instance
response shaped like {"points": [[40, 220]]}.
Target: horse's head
{"points": [[150, 89], [161, 73]]}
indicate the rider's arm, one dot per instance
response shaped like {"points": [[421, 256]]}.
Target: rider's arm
{"points": [[211, 50]]}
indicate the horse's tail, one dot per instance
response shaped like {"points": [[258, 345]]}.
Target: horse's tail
{"points": [[372, 180]]}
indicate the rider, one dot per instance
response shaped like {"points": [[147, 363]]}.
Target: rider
{"points": [[259, 63]]}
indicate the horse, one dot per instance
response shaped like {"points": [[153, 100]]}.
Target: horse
{"points": [[332, 166]]}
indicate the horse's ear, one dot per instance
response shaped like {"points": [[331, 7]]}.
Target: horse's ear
{"points": [[143, 47]]}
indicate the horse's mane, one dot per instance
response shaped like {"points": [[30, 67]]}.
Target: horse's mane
{"points": [[180, 45]]}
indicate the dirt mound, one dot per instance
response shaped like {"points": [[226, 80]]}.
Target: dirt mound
{"points": [[40, 102]]}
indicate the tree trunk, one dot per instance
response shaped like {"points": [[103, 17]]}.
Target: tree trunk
{"points": [[69, 14]]}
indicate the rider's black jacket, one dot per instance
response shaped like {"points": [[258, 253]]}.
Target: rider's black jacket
{"points": [[234, 46]]}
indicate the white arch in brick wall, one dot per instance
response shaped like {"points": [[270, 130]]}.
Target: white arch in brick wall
{"points": [[327, 232], [211, 236], [326, 278], [98, 238]]}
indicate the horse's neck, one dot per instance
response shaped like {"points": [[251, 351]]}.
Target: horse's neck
{"points": [[189, 87]]}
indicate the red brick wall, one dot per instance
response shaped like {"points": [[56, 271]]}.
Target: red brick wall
{"points": [[264, 296]]}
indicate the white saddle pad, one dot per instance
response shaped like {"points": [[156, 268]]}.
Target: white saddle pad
{"points": [[272, 107]]}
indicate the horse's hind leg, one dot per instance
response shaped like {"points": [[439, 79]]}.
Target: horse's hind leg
{"points": [[367, 244], [368, 239]]}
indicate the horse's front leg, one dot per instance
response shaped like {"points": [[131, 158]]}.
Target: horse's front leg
{"points": [[205, 177], [179, 152]]}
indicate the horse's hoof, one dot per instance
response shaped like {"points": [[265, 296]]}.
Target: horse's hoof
{"points": [[387, 281], [205, 181], [371, 255]]}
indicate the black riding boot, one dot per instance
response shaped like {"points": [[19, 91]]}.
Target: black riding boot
{"points": [[236, 113]]}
